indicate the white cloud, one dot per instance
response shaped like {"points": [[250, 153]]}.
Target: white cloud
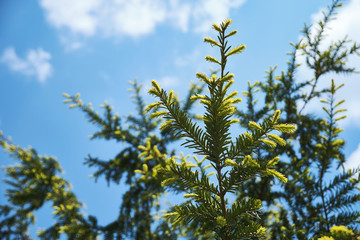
{"points": [[168, 82], [78, 16], [35, 64], [134, 18], [179, 14], [207, 12], [354, 159], [347, 23]]}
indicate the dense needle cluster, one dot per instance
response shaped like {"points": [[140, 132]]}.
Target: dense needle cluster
{"points": [[228, 186], [233, 162]]}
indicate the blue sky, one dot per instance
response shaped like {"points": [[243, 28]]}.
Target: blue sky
{"points": [[94, 47]]}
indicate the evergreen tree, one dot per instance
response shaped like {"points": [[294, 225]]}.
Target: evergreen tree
{"points": [[34, 180], [142, 196], [309, 205], [138, 202], [233, 162], [316, 198]]}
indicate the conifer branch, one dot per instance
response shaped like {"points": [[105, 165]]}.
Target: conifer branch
{"points": [[181, 122], [228, 222]]}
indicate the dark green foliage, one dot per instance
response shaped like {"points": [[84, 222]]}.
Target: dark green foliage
{"points": [[142, 196], [320, 204], [316, 198], [234, 162], [319, 193], [35, 180]]}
